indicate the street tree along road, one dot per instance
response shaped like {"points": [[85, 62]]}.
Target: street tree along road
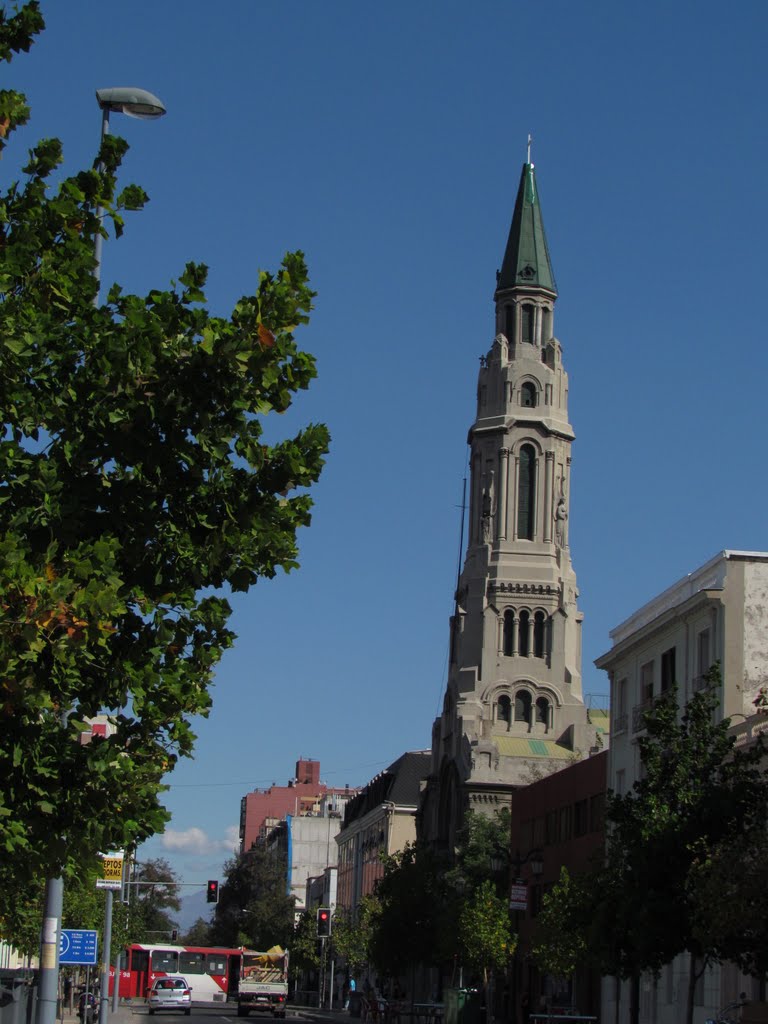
{"points": [[134, 481]]}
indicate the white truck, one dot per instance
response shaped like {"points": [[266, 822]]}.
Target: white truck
{"points": [[263, 982]]}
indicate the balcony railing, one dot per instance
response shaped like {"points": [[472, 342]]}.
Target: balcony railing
{"points": [[638, 713], [620, 724]]}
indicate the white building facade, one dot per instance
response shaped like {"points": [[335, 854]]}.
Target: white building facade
{"points": [[719, 613]]}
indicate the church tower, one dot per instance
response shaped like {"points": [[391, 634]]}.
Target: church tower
{"points": [[513, 709]]}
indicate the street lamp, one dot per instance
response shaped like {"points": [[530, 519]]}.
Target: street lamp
{"points": [[145, 106], [134, 103]]}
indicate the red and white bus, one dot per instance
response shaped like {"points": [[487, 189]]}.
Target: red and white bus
{"points": [[212, 971]]}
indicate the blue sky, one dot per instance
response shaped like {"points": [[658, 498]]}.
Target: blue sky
{"points": [[385, 140]]}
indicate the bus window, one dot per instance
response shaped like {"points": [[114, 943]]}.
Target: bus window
{"points": [[216, 964], [139, 960], [165, 960], [192, 963]]}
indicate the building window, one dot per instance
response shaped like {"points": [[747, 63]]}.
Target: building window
{"points": [[526, 493], [596, 812], [580, 820], [703, 660], [539, 635], [528, 395], [528, 314], [524, 640], [509, 322], [542, 711], [504, 709], [523, 706], [620, 781], [646, 683], [565, 824], [668, 670], [620, 704], [509, 633]]}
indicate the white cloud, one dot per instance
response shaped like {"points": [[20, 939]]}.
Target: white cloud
{"points": [[198, 843]]}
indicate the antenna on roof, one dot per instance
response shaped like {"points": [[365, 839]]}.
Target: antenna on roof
{"points": [[530, 140]]}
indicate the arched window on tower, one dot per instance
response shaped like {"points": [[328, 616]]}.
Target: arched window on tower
{"points": [[509, 633], [504, 709], [528, 395], [542, 711], [523, 706], [524, 639], [528, 312], [539, 635], [526, 493]]}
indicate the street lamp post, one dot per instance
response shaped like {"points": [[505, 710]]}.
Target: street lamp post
{"points": [[145, 106], [141, 104], [134, 103]]}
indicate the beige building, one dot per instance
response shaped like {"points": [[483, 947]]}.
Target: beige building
{"points": [[513, 708], [381, 819], [719, 613]]}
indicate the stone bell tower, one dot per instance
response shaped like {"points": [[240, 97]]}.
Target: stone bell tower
{"points": [[513, 707]]}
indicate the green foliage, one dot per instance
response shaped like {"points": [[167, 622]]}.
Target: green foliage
{"points": [[198, 935], [154, 899], [352, 934], [697, 792], [411, 924], [486, 940], [563, 926], [136, 486], [254, 909], [304, 946], [481, 840]]}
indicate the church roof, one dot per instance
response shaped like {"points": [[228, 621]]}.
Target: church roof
{"points": [[519, 746], [526, 259]]}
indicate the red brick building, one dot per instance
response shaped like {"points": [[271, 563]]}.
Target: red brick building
{"points": [[556, 822], [262, 809]]}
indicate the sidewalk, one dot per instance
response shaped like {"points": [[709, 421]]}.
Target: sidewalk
{"points": [[314, 1013]]}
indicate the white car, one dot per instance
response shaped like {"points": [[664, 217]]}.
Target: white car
{"points": [[170, 994]]}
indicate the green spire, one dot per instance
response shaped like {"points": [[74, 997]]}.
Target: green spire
{"points": [[526, 260]]}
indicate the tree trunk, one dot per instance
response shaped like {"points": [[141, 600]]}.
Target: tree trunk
{"points": [[634, 998], [692, 979]]}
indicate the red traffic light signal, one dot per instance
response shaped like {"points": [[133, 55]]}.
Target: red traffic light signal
{"points": [[323, 921], [213, 891]]}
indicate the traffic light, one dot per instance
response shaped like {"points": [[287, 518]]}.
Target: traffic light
{"points": [[174, 935], [213, 891], [323, 921]]}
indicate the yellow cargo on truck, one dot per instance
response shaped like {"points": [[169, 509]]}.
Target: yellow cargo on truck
{"points": [[263, 982]]}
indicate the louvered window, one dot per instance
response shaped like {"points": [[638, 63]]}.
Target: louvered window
{"points": [[528, 395], [523, 706], [509, 627]]}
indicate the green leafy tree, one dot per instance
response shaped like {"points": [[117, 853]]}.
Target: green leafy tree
{"points": [[154, 901], [562, 927], [410, 924], [304, 948], [198, 935], [481, 842], [666, 840], [137, 486], [254, 908], [484, 930], [352, 934]]}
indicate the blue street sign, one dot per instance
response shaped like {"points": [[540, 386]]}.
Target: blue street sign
{"points": [[77, 946]]}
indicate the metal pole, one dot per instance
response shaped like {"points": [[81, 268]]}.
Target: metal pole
{"points": [[104, 985], [97, 241], [119, 953], [48, 982], [330, 996]]}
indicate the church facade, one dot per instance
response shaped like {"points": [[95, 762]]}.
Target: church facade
{"points": [[513, 710]]}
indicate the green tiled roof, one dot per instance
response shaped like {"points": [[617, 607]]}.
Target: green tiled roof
{"points": [[600, 719], [526, 260], [521, 746]]}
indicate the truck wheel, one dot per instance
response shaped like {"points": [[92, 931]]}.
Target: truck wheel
{"points": [[242, 1011]]}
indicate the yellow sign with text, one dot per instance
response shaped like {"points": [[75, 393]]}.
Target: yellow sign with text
{"points": [[113, 869]]}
